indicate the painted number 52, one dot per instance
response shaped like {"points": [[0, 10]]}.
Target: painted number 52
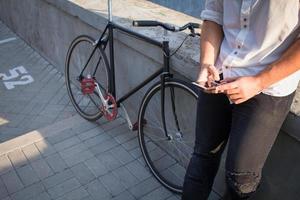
{"points": [[15, 73]]}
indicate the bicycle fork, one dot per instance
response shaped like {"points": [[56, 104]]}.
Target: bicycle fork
{"points": [[172, 96]]}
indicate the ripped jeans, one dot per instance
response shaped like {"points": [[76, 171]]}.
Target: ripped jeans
{"points": [[250, 130]]}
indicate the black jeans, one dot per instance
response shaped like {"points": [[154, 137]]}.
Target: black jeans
{"points": [[250, 130]]}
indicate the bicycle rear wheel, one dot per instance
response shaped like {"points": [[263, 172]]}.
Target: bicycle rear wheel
{"points": [[168, 156], [86, 65]]}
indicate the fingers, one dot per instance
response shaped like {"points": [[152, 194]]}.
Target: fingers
{"points": [[233, 91], [238, 101], [202, 77], [214, 72], [227, 86], [234, 97], [208, 74], [211, 90], [210, 79], [228, 80]]}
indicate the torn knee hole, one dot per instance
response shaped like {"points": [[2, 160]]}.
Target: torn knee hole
{"points": [[217, 149], [244, 182]]}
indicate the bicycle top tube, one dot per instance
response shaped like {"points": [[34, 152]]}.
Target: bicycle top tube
{"points": [[135, 34]]}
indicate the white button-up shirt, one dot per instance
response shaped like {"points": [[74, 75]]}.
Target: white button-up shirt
{"points": [[256, 33]]}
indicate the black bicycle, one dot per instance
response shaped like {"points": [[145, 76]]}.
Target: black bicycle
{"points": [[167, 114]]}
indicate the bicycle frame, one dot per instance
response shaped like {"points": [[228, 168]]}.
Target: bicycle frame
{"points": [[107, 37]]}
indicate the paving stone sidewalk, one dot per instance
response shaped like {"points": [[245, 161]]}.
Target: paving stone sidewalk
{"points": [[76, 159], [35, 104]]}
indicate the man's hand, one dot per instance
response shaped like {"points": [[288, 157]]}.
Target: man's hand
{"points": [[207, 75], [240, 89]]}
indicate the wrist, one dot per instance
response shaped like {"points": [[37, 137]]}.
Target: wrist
{"points": [[260, 82], [205, 65]]}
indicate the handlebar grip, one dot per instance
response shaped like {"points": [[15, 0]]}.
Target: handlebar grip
{"points": [[145, 23]]}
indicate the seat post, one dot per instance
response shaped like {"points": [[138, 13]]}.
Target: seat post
{"points": [[109, 2]]}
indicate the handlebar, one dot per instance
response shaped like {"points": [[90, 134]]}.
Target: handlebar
{"points": [[169, 27]]}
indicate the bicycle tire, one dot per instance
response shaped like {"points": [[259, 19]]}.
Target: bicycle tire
{"points": [[87, 105], [167, 166]]}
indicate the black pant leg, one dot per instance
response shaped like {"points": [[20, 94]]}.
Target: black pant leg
{"points": [[255, 126], [212, 129]]}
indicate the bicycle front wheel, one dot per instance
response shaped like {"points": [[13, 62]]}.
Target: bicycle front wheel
{"points": [[86, 64], [168, 149]]}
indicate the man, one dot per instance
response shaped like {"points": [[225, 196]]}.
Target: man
{"points": [[254, 44]]}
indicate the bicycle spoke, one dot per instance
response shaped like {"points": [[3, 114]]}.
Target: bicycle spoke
{"points": [[159, 139], [161, 129], [180, 152]]}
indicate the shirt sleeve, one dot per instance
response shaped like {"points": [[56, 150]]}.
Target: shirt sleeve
{"points": [[213, 11]]}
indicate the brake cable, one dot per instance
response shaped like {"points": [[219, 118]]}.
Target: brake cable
{"points": [[175, 51]]}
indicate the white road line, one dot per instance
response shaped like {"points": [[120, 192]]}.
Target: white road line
{"points": [[7, 40]]}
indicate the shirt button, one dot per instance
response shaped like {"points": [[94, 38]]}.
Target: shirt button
{"points": [[245, 26], [235, 52], [238, 46], [245, 19]]}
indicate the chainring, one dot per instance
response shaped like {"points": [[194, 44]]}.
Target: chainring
{"points": [[110, 111]]}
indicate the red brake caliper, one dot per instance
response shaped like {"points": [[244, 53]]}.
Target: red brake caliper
{"points": [[109, 112]]}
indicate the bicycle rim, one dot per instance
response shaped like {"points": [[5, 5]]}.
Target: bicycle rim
{"points": [[87, 104], [168, 156]]}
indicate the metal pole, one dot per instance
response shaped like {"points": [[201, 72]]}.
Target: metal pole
{"points": [[109, 10]]}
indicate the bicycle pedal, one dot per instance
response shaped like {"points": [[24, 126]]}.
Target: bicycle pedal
{"points": [[87, 85]]}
